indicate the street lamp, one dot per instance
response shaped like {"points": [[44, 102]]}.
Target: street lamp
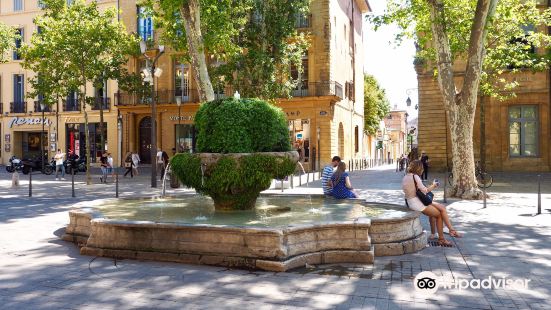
{"points": [[150, 72], [408, 101], [179, 104], [42, 106]]}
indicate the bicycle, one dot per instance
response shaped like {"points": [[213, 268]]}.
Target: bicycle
{"points": [[483, 179]]}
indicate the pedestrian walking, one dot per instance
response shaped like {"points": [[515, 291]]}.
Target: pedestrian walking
{"points": [[166, 160], [129, 164], [111, 167], [160, 162], [425, 160], [326, 175], [59, 159], [104, 164], [135, 162]]}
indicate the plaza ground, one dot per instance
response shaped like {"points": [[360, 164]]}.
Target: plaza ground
{"points": [[505, 239]]}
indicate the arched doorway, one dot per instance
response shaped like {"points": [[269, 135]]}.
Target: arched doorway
{"points": [[145, 140], [341, 140]]}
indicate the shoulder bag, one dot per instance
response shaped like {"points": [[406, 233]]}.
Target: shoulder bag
{"points": [[426, 199]]}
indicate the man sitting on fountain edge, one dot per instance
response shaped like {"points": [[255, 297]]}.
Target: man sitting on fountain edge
{"points": [[326, 175]]}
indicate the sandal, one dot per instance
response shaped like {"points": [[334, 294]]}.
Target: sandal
{"points": [[445, 243], [454, 233]]}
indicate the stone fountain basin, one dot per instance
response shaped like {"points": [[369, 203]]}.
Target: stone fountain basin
{"points": [[278, 249]]}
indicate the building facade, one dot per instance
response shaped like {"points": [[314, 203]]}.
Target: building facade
{"points": [[325, 113], [21, 117], [516, 132]]}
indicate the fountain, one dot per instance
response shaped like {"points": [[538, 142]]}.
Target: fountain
{"points": [[229, 223]]}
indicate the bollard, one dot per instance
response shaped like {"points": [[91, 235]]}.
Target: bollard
{"points": [[445, 189], [300, 179], [539, 193], [484, 191], [307, 177], [292, 180], [282, 184], [31, 183], [116, 183], [73, 183]]}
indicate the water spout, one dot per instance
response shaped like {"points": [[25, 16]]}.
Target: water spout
{"points": [[167, 172]]}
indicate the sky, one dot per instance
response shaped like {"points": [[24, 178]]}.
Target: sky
{"points": [[391, 65]]}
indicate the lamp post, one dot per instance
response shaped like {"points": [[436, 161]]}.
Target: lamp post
{"points": [[179, 104], [150, 72], [42, 106]]}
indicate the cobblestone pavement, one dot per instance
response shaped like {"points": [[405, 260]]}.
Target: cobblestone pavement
{"points": [[506, 239]]}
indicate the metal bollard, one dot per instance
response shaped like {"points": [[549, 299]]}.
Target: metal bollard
{"points": [[73, 182], [445, 189], [292, 180], [300, 179], [31, 183], [484, 191], [307, 177], [282, 184], [539, 193], [116, 183]]}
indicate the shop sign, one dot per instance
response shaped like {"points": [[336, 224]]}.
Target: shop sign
{"points": [[20, 121], [294, 113], [181, 118]]}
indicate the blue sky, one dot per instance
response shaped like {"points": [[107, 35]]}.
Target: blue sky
{"points": [[391, 65]]}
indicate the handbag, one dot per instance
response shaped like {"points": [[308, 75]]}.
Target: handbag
{"points": [[128, 164], [426, 199]]}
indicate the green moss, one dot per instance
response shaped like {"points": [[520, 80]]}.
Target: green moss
{"points": [[231, 181], [241, 126]]}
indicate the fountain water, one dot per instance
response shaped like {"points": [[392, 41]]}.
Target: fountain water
{"points": [[168, 171]]}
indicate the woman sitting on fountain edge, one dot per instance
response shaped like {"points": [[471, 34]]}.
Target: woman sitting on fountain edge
{"points": [[434, 211]]}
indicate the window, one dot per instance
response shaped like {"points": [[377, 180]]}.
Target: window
{"points": [[145, 25], [41, 4], [18, 105], [18, 41], [17, 5], [71, 103], [181, 80], [301, 89], [69, 2], [523, 130]]}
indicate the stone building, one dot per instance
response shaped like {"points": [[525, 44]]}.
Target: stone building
{"points": [[325, 112], [21, 117]]}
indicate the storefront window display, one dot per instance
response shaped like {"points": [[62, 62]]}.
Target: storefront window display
{"points": [[185, 138], [30, 144], [299, 131], [76, 139]]}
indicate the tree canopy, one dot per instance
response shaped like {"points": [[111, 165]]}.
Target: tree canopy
{"points": [[7, 40], [376, 105], [517, 37], [251, 44]]}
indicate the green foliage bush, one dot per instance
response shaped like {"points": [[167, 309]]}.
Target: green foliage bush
{"points": [[232, 179], [241, 126]]}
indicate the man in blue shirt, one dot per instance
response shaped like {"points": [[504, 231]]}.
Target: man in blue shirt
{"points": [[326, 175]]}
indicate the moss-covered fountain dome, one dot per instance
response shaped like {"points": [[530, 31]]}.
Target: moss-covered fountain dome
{"points": [[242, 145]]}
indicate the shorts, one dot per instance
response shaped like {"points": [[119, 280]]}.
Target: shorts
{"points": [[416, 204]]}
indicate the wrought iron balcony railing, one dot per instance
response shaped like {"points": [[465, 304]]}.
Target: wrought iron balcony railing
{"points": [[101, 103], [37, 108], [18, 107]]}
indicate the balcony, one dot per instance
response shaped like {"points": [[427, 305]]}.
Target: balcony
{"points": [[47, 108], [101, 103], [161, 97], [303, 20], [18, 107], [314, 89], [71, 105]]}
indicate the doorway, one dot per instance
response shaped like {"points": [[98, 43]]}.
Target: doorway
{"points": [[145, 140]]}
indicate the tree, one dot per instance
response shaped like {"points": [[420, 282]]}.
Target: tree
{"points": [[7, 40], [376, 105], [471, 45], [78, 46], [253, 42]]}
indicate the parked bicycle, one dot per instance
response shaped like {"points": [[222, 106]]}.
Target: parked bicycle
{"points": [[484, 179]]}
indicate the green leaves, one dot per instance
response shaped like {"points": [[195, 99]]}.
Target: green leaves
{"points": [[376, 105], [252, 44], [517, 28], [7, 40], [241, 126]]}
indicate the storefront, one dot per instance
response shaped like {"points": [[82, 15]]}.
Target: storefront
{"points": [[76, 139], [22, 137]]}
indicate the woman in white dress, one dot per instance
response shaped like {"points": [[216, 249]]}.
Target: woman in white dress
{"points": [[410, 183], [135, 162]]}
